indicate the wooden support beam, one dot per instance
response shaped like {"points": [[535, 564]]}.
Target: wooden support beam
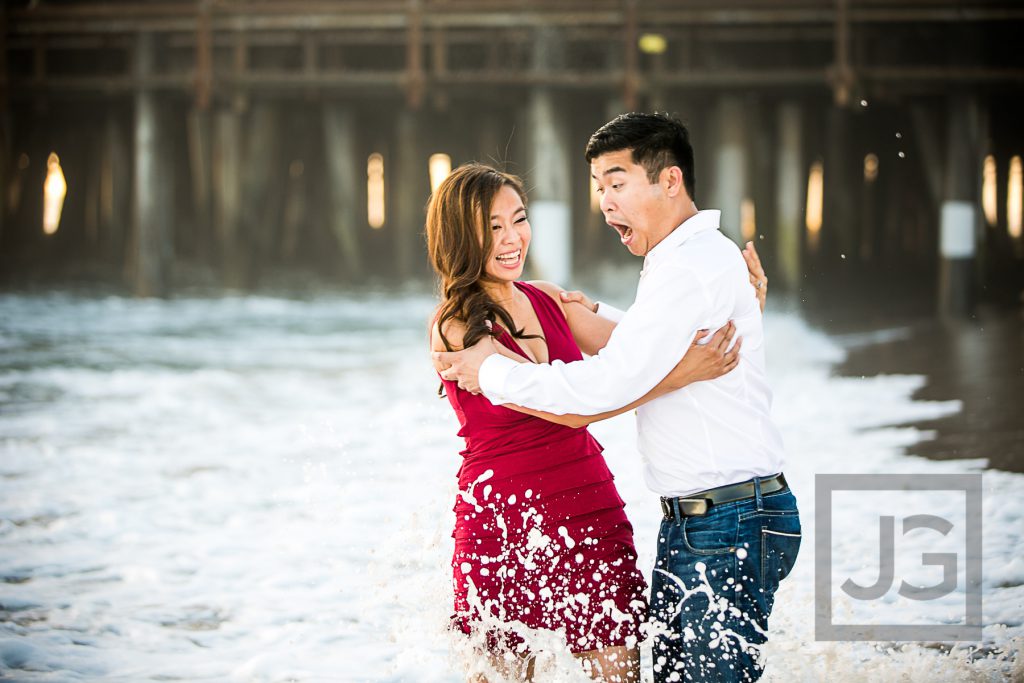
{"points": [[631, 78], [415, 84], [239, 67], [310, 62], [204, 56], [841, 74], [439, 66], [115, 18], [284, 83]]}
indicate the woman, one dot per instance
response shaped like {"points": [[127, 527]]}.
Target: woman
{"points": [[541, 538]]}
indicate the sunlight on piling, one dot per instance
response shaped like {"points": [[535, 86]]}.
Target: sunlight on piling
{"points": [[375, 190], [815, 200], [1013, 199], [989, 187], [870, 168], [748, 224], [440, 166], [54, 190]]}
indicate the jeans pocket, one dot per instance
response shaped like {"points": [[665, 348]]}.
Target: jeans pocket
{"points": [[779, 550], [713, 534]]}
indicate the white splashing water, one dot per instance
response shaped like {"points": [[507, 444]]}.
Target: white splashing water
{"points": [[260, 489]]}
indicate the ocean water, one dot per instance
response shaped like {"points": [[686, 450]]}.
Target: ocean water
{"points": [[260, 489]]}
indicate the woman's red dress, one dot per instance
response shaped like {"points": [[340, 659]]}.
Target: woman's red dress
{"points": [[541, 537]]}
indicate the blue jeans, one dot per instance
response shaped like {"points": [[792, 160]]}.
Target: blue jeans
{"points": [[714, 586]]}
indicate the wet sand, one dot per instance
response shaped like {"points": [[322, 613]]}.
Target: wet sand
{"points": [[979, 361]]}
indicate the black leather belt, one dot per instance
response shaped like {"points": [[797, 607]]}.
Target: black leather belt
{"points": [[697, 504]]}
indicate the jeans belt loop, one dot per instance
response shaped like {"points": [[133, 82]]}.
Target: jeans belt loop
{"points": [[675, 510], [757, 493]]}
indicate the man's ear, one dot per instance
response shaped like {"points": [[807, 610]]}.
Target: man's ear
{"points": [[672, 181]]}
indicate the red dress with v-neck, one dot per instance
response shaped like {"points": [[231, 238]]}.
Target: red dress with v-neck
{"points": [[541, 537]]}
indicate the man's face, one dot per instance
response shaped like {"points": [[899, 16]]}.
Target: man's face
{"points": [[631, 204]]}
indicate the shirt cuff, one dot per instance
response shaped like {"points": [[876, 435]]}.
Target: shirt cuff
{"points": [[493, 373], [609, 312]]}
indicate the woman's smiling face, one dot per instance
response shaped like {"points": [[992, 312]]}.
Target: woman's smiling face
{"points": [[510, 235]]}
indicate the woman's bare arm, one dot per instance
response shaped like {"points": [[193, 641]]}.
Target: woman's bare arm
{"points": [[589, 330]]}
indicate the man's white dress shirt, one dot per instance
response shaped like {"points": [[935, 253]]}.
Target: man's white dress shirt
{"points": [[704, 435]]}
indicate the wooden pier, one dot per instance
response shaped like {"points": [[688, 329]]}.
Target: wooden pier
{"points": [[235, 134]]}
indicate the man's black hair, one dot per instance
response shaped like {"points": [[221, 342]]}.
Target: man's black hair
{"points": [[657, 141]]}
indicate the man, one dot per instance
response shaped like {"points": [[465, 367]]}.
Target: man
{"points": [[731, 530]]}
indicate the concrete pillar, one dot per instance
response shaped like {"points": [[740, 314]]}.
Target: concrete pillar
{"points": [[790, 194], [261, 200], [730, 181], [91, 213], [598, 239], [550, 200], [343, 179], [199, 130], [550, 177], [839, 224], [227, 195], [7, 170], [409, 191], [958, 213], [5, 123], [869, 223], [115, 189], [151, 210]]}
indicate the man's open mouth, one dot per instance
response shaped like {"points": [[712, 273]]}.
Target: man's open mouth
{"points": [[625, 232]]}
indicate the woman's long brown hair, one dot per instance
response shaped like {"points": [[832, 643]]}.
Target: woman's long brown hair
{"points": [[457, 215]]}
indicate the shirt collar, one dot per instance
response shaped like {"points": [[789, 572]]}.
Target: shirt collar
{"points": [[699, 222]]}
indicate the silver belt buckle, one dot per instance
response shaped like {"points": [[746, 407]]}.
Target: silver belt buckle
{"points": [[693, 507]]}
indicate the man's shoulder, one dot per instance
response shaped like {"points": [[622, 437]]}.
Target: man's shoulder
{"points": [[706, 253]]}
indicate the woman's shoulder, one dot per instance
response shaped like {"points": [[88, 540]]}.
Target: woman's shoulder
{"points": [[454, 330], [551, 289]]}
